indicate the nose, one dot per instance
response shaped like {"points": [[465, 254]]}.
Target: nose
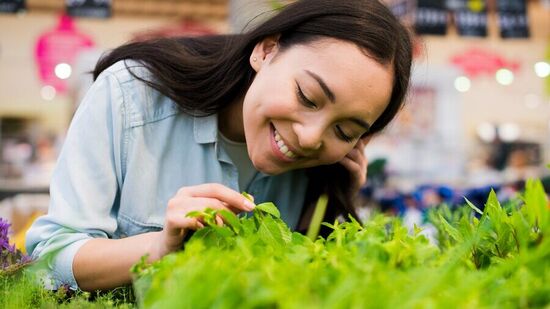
{"points": [[310, 135]]}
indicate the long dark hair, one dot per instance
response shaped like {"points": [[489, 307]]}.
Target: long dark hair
{"points": [[205, 74]]}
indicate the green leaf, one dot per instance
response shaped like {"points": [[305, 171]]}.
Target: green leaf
{"points": [[331, 226], [453, 232], [536, 204], [417, 230], [231, 219], [269, 208], [141, 265], [473, 206], [194, 214], [248, 227], [248, 196], [494, 210], [208, 215], [210, 212], [269, 232], [223, 231], [210, 219], [317, 218]]}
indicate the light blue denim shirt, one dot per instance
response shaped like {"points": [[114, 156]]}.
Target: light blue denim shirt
{"points": [[127, 152]]}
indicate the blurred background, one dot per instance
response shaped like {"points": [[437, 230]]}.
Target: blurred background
{"points": [[477, 116]]}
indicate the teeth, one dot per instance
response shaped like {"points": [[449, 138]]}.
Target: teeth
{"points": [[282, 147]]}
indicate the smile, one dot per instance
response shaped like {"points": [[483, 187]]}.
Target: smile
{"points": [[280, 148]]}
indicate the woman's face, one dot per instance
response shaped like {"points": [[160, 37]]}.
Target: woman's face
{"points": [[309, 104]]}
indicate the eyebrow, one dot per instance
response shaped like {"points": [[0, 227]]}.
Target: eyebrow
{"points": [[361, 122], [330, 95]]}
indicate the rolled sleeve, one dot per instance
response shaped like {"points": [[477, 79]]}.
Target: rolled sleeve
{"points": [[85, 183], [62, 259]]}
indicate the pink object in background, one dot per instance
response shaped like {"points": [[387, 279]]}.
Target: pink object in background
{"points": [[60, 45], [476, 61]]}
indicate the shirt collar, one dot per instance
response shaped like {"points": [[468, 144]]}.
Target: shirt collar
{"points": [[205, 129]]}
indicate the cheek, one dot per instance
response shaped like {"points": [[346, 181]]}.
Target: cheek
{"points": [[268, 107], [270, 96]]}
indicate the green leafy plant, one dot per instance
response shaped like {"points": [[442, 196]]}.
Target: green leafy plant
{"points": [[495, 256], [498, 257]]}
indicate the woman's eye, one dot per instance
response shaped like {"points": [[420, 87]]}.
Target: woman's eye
{"points": [[303, 99], [343, 136]]}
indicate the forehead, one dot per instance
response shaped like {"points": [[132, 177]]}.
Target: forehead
{"points": [[355, 78]]}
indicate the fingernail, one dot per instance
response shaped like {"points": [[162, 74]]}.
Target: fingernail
{"points": [[248, 204]]}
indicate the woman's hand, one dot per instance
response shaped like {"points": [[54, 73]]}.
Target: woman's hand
{"points": [[356, 163], [194, 198]]}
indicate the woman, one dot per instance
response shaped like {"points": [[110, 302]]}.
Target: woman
{"points": [[176, 125]]}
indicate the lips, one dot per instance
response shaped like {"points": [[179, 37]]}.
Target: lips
{"points": [[280, 148]]}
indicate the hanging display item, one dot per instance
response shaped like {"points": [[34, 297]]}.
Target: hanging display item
{"points": [[471, 18], [56, 50], [12, 6], [431, 17], [512, 19], [89, 8]]}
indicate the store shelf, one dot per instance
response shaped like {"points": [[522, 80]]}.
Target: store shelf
{"points": [[195, 9]]}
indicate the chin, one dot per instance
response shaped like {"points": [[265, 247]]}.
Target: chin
{"points": [[268, 168]]}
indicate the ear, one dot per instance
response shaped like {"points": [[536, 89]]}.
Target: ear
{"points": [[264, 51]]}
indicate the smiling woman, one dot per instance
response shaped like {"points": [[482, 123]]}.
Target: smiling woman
{"points": [[318, 98], [173, 126]]}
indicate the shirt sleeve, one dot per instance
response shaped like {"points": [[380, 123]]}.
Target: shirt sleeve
{"points": [[85, 183]]}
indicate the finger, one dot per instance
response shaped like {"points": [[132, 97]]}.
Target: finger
{"points": [[367, 139], [200, 221], [202, 203], [184, 205], [219, 205], [175, 232], [233, 209], [176, 224], [362, 142], [219, 220], [358, 172], [356, 155], [222, 193], [359, 158], [351, 165], [176, 215], [360, 145]]}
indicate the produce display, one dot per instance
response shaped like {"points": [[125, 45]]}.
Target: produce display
{"points": [[484, 256]]}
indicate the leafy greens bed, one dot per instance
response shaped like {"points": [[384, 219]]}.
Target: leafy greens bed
{"points": [[498, 257]]}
